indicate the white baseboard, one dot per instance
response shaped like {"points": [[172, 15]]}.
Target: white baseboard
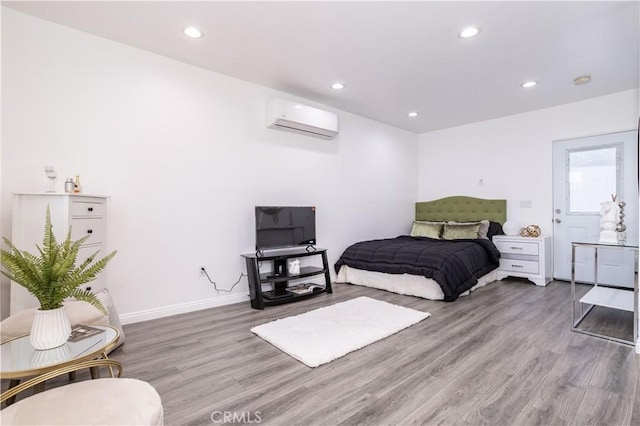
{"points": [[167, 311]]}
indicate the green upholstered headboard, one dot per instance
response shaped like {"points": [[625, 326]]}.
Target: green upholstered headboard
{"points": [[462, 209]]}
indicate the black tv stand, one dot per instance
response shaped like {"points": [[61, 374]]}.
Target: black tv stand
{"points": [[279, 275]]}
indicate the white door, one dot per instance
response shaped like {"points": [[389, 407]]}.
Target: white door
{"points": [[586, 171]]}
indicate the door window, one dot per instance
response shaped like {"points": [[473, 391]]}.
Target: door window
{"points": [[593, 175]]}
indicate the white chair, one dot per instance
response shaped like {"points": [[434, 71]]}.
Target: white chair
{"points": [[109, 401]]}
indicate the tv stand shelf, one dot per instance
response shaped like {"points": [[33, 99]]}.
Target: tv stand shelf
{"points": [[305, 271], [280, 278]]}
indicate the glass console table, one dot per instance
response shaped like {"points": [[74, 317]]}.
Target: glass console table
{"points": [[625, 299]]}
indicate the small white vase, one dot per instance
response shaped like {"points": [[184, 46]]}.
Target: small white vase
{"points": [[50, 329], [511, 227]]}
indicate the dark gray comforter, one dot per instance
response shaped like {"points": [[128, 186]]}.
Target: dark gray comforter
{"points": [[455, 265]]}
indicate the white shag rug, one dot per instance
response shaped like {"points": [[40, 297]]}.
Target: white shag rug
{"points": [[322, 335]]}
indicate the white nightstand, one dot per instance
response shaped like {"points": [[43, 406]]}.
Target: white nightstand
{"points": [[526, 257]]}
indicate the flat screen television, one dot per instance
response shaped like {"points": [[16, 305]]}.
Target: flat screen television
{"points": [[281, 226]]}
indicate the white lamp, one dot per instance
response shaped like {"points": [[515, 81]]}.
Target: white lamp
{"points": [[511, 227]]}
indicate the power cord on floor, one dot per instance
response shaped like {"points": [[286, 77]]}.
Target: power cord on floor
{"points": [[216, 286]]}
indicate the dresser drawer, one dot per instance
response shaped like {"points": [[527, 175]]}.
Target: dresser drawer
{"points": [[85, 251], [84, 227], [523, 266], [517, 247], [87, 209]]}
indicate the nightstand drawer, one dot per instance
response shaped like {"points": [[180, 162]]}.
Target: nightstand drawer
{"points": [[517, 247], [523, 266]]}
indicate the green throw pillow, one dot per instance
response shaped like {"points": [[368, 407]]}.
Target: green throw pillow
{"points": [[460, 231], [482, 231], [426, 229]]}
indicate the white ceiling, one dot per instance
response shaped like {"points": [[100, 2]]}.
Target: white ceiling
{"points": [[394, 57]]}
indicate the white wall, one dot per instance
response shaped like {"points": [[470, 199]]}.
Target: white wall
{"points": [[513, 154], [184, 155]]}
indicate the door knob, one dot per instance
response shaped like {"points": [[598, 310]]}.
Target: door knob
{"points": [[558, 221], [558, 211]]}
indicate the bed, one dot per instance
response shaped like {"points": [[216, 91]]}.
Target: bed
{"points": [[430, 266]]}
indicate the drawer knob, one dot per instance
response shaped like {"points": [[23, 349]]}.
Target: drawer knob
{"points": [[90, 209], [517, 266], [89, 231], [516, 248]]}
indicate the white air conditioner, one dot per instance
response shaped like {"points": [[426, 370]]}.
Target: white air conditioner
{"points": [[292, 116]]}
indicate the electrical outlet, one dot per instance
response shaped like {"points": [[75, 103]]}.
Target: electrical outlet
{"points": [[201, 269]]}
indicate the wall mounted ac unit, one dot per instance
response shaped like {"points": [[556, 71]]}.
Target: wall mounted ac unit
{"points": [[295, 117]]}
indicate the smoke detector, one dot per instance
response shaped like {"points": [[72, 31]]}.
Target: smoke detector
{"points": [[583, 79]]}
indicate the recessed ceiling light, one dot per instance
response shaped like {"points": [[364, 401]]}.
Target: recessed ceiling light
{"points": [[337, 86], [583, 79], [469, 32], [528, 84], [413, 114], [193, 32]]}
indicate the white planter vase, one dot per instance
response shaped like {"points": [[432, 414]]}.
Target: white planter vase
{"points": [[50, 329]]}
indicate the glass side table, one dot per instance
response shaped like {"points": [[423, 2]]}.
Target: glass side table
{"points": [[609, 297], [19, 360]]}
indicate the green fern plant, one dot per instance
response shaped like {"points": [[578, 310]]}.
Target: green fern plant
{"points": [[52, 276]]}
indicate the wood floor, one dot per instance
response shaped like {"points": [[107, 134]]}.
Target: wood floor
{"points": [[502, 356]]}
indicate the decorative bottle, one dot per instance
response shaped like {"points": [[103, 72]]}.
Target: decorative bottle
{"points": [[77, 188]]}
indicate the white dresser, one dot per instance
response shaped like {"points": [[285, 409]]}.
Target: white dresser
{"points": [[526, 257], [86, 214]]}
